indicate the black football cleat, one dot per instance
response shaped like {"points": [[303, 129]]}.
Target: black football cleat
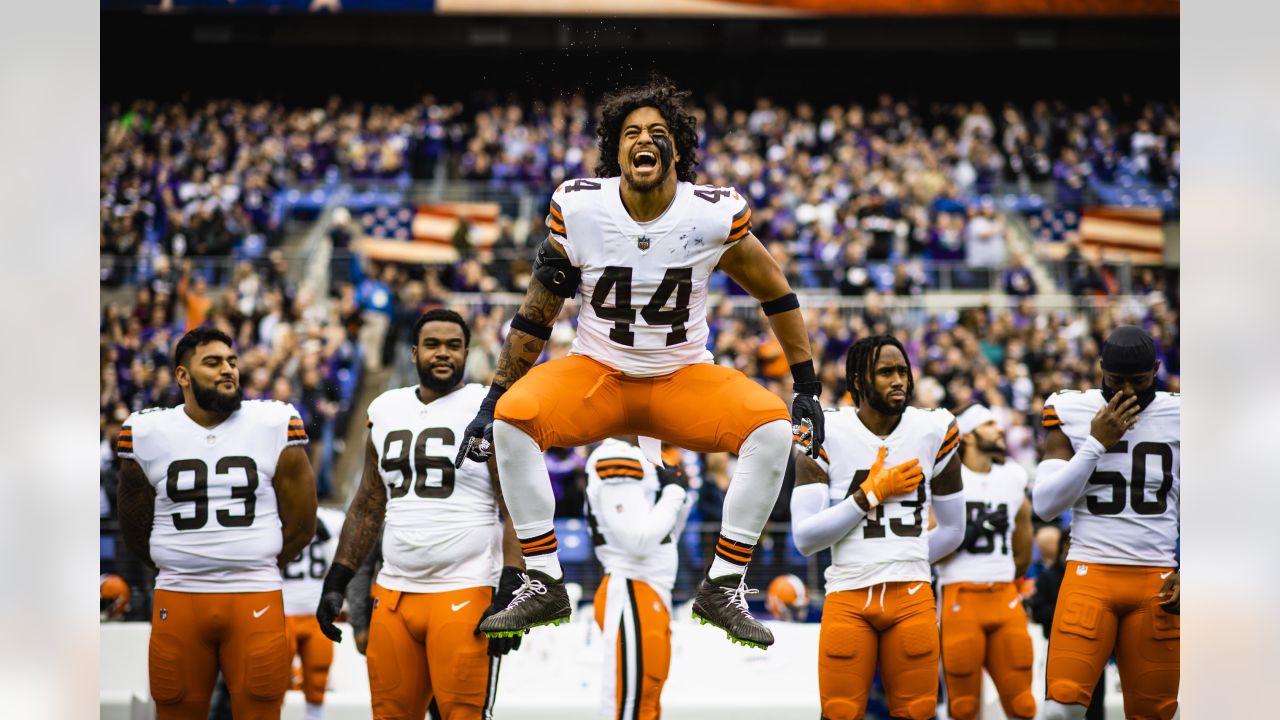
{"points": [[722, 602], [538, 601]]}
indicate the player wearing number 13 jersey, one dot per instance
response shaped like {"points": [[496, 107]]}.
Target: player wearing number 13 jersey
{"points": [[640, 242], [868, 499], [1113, 458], [217, 494], [442, 546]]}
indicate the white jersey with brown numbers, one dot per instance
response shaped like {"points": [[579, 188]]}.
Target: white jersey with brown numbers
{"points": [[644, 285], [442, 528], [622, 488], [1129, 512], [217, 527], [989, 556], [304, 575], [891, 544]]}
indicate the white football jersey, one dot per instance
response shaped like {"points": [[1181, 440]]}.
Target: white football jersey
{"points": [[622, 487], [644, 285], [1129, 512], [991, 557], [442, 528], [304, 574], [217, 526], [891, 544]]}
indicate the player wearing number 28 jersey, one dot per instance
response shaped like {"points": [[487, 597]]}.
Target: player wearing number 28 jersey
{"points": [[868, 498], [1113, 458], [639, 242], [303, 577], [217, 494], [442, 547]]}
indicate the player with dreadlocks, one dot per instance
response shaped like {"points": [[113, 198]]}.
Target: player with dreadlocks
{"points": [[867, 496]]}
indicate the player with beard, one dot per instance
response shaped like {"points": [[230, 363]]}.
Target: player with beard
{"points": [[444, 546], [1112, 456], [868, 498], [982, 620], [640, 242], [218, 495]]}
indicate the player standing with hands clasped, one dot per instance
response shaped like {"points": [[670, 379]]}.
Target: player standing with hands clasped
{"points": [[640, 242]]}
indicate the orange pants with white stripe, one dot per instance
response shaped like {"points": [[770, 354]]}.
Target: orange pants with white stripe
{"points": [[893, 625], [1106, 608], [309, 645], [424, 646], [194, 635], [575, 400], [984, 625], [637, 640]]}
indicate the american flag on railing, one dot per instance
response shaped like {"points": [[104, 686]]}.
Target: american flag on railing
{"points": [[425, 233]]}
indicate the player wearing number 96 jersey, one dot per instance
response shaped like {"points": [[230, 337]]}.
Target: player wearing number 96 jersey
{"points": [[217, 494], [1113, 457], [303, 577], [443, 546], [868, 498], [639, 242]]}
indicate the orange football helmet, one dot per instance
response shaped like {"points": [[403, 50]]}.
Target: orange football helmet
{"points": [[788, 598]]}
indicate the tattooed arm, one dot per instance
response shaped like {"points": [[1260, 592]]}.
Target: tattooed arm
{"points": [[136, 504], [521, 350], [365, 515]]}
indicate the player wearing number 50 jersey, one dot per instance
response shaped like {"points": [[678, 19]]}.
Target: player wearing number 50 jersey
{"points": [[217, 494], [980, 614], [443, 546], [303, 577], [640, 242], [868, 498], [1113, 458]]}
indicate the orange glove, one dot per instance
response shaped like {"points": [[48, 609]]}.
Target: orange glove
{"points": [[900, 479]]}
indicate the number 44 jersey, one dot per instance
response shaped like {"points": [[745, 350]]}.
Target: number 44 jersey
{"points": [[644, 285], [442, 527], [217, 527], [892, 543], [1129, 512]]}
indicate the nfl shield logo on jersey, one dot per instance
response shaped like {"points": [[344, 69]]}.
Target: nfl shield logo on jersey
{"points": [[642, 242]]}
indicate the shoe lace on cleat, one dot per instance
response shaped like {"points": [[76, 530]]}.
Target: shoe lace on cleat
{"points": [[528, 588], [738, 597]]}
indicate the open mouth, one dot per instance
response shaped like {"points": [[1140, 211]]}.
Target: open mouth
{"points": [[645, 160]]}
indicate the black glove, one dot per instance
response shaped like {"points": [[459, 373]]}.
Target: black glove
{"points": [[477, 439], [808, 428], [332, 593], [508, 584], [672, 475], [996, 521]]}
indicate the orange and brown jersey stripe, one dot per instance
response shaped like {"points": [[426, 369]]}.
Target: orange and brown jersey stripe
{"points": [[735, 552], [741, 225], [543, 544], [124, 443], [619, 467], [297, 431], [949, 441], [1050, 418], [555, 219]]}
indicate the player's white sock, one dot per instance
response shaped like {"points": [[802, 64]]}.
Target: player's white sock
{"points": [[315, 711], [526, 487], [753, 491], [1054, 710]]}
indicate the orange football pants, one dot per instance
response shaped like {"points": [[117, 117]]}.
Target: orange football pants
{"points": [[893, 624], [641, 654], [575, 400], [193, 635], [307, 643], [1102, 608], [424, 645], [983, 624]]}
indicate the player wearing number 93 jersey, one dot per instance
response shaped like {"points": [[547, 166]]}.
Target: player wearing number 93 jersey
{"points": [[868, 498], [639, 242], [442, 547], [1113, 457], [217, 494]]}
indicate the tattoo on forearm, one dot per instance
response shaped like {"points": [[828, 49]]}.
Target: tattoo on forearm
{"points": [[363, 524], [522, 350]]}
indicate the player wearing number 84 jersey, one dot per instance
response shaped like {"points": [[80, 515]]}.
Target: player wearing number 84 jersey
{"points": [[218, 494], [1113, 456], [868, 498]]}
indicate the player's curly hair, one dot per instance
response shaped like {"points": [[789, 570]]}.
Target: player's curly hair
{"points": [[861, 361], [659, 93]]}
